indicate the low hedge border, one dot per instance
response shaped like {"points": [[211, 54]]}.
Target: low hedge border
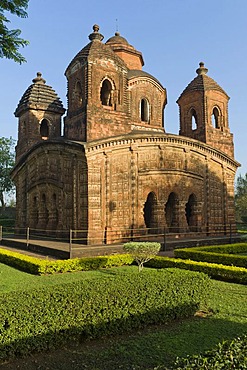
{"points": [[41, 319], [225, 356], [219, 272], [38, 266], [223, 254]]}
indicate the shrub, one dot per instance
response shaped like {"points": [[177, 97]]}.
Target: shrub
{"points": [[40, 319], [226, 356], [142, 251], [216, 271], [40, 267], [223, 254]]}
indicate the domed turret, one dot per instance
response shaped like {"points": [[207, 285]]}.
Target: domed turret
{"points": [[127, 52], [203, 109], [39, 96], [39, 111]]}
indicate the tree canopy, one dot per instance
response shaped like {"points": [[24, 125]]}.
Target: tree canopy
{"points": [[6, 165], [10, 40], [142, 251], [241, 198]]}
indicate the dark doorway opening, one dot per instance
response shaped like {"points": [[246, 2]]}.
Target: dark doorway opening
{"points": [[171, 213], [190, 211], [149, 212]]}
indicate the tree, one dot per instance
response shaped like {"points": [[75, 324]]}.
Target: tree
{"points": [[142, 251], [10, 42], [6, 165], [241, 198]]}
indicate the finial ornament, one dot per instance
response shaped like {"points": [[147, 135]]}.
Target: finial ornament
{"points": [[39, 79], [201, 70], [95, 28], [96, 35]]}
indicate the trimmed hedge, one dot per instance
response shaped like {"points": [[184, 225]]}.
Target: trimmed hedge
{"points": [[41, 319], [226, 356], [38, 266], [220, 272], [223, 254], [41, 267]]}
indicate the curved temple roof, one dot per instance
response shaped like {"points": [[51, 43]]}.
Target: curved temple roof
{"points": [[39, 95], [202, 82]]}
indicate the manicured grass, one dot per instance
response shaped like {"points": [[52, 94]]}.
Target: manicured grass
{"points": [[160, 345], [225, 318], [13, 279]]}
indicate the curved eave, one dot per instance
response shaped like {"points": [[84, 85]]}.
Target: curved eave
{"points": [[138, 138], [45, 143], [146, 77], [34, 106], [84, 55], [202, 83]]}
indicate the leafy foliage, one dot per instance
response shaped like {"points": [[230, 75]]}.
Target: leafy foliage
{"points": [[39, 319], [38, 266], [226, 356], [142, 251], [10, 40], [214, 270], [227, 254], [6, 165], [241, 198]]}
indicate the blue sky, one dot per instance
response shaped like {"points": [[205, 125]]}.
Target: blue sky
{"points": [[173, 36]]}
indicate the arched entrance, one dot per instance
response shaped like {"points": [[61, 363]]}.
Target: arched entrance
{"points": [[190, 211], [150, 212], [171, 213]]}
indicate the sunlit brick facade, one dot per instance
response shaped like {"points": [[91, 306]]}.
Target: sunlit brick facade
{"points": [[114, 172]]}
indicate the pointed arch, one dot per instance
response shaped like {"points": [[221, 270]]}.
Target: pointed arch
{"points": [[216, 118], [194, 122]]}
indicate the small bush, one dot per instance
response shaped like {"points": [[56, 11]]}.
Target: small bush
{"points": [[142, 252]]}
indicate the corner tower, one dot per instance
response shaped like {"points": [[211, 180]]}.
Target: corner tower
{"points": [[203, 107], [39, 112]]}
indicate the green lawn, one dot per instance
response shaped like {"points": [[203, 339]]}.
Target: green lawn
{"points": [[145, 348], [12, 279]]}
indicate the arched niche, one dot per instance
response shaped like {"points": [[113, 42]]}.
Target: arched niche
{"points": [[106, 93], [144, 110], [44, 129]]}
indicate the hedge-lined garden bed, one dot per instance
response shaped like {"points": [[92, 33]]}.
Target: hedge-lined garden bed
{"points": [[38, 266], [44, 267], [222, 254], [41, 319], [220, 272]]}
